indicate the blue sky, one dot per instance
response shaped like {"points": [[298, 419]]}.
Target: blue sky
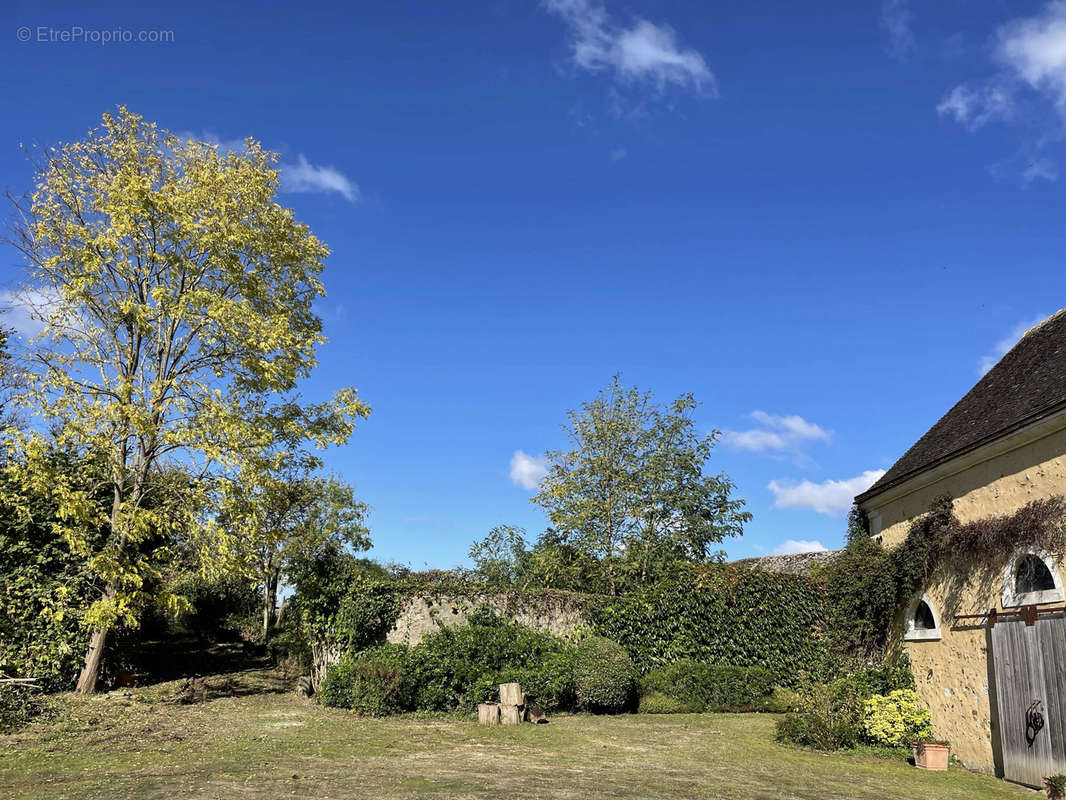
{"points": [[823, 219]]}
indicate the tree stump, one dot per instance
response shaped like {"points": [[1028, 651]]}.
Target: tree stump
{"points": [[488, 714], [511, 695], [512, 715]]}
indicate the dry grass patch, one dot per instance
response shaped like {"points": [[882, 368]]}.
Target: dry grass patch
{"points": [[248, 744]]}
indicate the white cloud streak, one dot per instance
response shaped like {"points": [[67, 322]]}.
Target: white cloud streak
{"points": [[1028, 83], [304, 177], [977, 106], [832, 498], [779, 433], [642, 52], [1004, 345], [791, 546], [896, 18], [527, 471]]}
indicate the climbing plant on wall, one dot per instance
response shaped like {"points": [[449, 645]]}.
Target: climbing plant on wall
{"points": [[722, 614]]}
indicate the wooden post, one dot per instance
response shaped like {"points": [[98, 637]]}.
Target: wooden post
{"points": [[488, 714], [512, 715], [511, 695]]}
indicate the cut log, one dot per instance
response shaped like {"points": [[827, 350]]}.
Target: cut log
{"points": [[488, 714], [512, 715], [511, 695], [536, 715]]}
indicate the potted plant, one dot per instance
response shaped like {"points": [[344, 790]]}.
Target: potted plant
{"points": [[1055, 785], [931, 754]]}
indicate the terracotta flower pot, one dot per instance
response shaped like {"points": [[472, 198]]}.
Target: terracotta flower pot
{"points": [[931, 756]]}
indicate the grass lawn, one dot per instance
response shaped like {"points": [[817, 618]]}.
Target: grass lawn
{"points": [[256, 740]]}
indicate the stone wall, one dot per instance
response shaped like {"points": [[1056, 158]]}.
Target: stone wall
{"points": [[560, 613], [952, 674]]}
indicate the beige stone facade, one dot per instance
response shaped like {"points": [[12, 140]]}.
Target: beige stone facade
{"points": [[952, 672]]}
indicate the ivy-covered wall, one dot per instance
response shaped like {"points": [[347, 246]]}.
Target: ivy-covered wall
{"points": [[722, 614]]}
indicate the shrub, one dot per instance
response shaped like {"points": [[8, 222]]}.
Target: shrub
{"points": [[548, 682], [18, 705], [656, 703], [372, 684], [456, 668], [827, 717], [780, 701], [711, 687], [896, 719], [603, 676]]}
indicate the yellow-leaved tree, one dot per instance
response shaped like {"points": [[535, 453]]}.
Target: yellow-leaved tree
{"points": [[176, 298]]}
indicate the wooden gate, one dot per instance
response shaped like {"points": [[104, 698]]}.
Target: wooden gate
{"points": [[1030, 672]]}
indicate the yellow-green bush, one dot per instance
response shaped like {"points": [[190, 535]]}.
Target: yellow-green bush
{"points": [[896, 719]]}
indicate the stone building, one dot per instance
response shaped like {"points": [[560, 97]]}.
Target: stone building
{"points": [[1000, 447]]}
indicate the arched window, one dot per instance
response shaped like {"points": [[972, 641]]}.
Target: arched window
{"points": [[1031, 578], [921, 623]]}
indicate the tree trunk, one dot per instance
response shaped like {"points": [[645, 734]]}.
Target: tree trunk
{"points": [[93, 658], [270, 603]]}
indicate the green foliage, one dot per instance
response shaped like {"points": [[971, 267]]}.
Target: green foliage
{"points": [[548, 682], [343, 601], [456, 668], [44, 587], [861, 590], [721, 614], [711, 687], [1055, 786], [632, 493], [827, 717], [373, 684], [604, 677], [18, 706], [498, 558], [830, 716], [896, 719]]}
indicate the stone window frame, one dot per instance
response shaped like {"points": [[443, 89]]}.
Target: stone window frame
{"points": [[1014, 599], [913, 634]]}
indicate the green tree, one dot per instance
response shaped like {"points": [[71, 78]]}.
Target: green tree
{"points": [[499, 557], [176, 297], [632, 491], [284, 513]]}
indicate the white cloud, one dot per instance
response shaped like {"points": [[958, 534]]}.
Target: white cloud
{"points": [[527, 471], [832, 498], [1034, 49], [1006, 343], [976, 106], [26, 309], [896, 21], [790, 546], [642, 52], [304, 177], [1029, 58], [778, 432]]}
